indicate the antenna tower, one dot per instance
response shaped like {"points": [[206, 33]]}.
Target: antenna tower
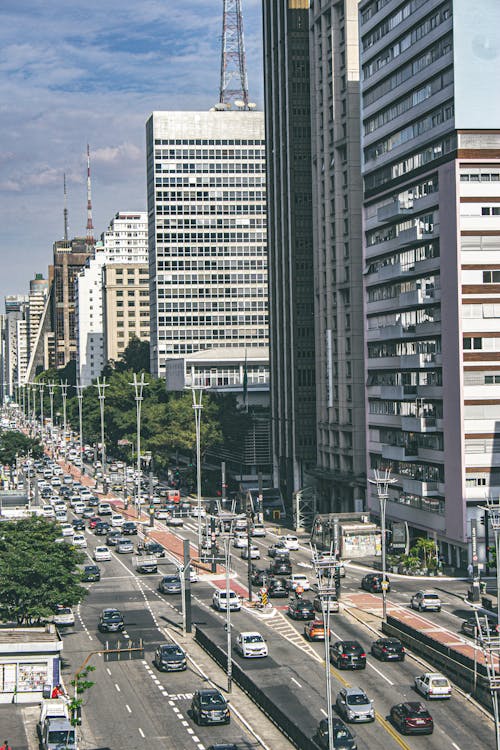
{"points": [[90, 226], [233, 70], [65, 211]]}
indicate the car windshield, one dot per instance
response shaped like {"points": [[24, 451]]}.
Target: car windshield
{"points": [[62, 737], [303, 605], [171, 651], [171, 579], [350, 646], [63, 611], [341, 733], [440, 682], [417, 709], [113, 616], [253, 638], [214, 699], [358, 699], [431, 596]]}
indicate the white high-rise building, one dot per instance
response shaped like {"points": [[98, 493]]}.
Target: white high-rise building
{"points": [[125, 241], [207, 232]]}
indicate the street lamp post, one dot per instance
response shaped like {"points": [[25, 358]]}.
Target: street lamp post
{"points": [[52, 386], [197, 407], [493, 508], [79, 395], [64, 394], [41, 386], [226, 538], [139, 386], [382, 480], [101, 386]]}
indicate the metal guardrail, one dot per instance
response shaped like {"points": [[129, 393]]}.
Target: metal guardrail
{"points": [[280, 719]]}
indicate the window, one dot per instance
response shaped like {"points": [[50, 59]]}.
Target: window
{"points": [[473, 343], [491, 277]]}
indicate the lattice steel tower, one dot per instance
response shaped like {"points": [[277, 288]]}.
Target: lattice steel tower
{"points": [[233, 71]]}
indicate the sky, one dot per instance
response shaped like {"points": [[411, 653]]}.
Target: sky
{"points": [[75, 72]]}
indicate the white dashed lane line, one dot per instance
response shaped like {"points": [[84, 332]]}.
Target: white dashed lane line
{"points": [[80, 618], [141, 732]]}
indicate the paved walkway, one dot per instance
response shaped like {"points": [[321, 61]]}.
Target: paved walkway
{"points": [[18, 725]]}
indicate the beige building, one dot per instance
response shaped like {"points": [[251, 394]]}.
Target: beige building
{"points": [[125, 306]]}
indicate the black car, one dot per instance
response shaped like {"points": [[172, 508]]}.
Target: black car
{"points": [[388, 649], [223, 746], [153, 548], [348, 655], [111, 621], [129, 527], [91, 573], [281, 567], [78, 524], [210, 707], [259, 577], [170, 584], [343, 737], [373, 583], [277, 589], [112, 537], [279, 548], [101, 528], [301, 609], [412, 718], [469, 627], [170, 658]]}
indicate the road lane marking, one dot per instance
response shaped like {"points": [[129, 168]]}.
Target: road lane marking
{"points": [[380, 673], [296, 682], [141, 732], [128, 708], [455, 746], [117, 687], [324, 712], [108, 670]]}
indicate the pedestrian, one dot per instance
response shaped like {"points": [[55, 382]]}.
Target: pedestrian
{"points": [[56, 693], [6, 745], [470, 570]]}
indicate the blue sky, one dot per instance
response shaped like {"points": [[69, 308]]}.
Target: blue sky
{"points": [[92, 71]]}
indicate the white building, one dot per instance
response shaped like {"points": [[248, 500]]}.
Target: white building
{"points": [[207, 232], [125, 241]]}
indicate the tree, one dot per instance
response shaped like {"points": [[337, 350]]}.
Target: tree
{"points": [[36, 573], [135, 357], [15, 444]]}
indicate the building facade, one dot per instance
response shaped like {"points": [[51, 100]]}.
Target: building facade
{"points": [[15, 342], [291, 275], [207, 232], [337, 236], [125, 306], [126, 238], [431, 166]]}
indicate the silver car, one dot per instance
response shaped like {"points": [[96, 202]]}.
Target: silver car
{"points": [[353, 704]]}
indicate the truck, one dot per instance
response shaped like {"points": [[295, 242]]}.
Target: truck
{"points": [[54, 726], [145, 564]]}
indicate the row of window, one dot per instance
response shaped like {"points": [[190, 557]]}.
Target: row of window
{"points": [[211, 334], [208, 142], [410, 379], [199, 196], [212, 153], [211, 223], [208, 292], [213, 306], [209, 168], [390, 291], [210, 209], [200, 182], [404, 348], [214, 278], [405, 260], [423, 224], [479, 176], [481, 343], [390, 22], [407, 319], [212, 251], [414, 161], [207, 236], [473, 377], [405, 409], [236, 264]]}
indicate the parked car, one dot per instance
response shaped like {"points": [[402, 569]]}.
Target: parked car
{"points": [[343, 738], [91, 573], [388, 649], [372, 582], [219, 601], [251, 645], [412, 718], [433, 685], [348, 655], [353, 704], [426, 601], [315, 630], [111, 621], [301, 609], [210, 707], [169, 657]]}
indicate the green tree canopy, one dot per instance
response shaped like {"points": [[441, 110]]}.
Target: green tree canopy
{"points": [[14, 443], [36, 573]]}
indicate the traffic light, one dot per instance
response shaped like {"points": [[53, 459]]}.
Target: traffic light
{"points": [[336, 577]]}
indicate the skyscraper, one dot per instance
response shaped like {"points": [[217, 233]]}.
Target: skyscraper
{"points": [[207, 232], [431, 163]]}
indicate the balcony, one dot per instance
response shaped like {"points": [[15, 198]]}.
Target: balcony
{"points": [[392, 211], [417, 487], [419, 297], [416, 234], [425, 202], [429, 391], [419, 361], [395, 392], [399, 452], [420, 424]]}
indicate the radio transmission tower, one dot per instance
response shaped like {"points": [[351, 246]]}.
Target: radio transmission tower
{"points": [[90, 225], [233, 71]]}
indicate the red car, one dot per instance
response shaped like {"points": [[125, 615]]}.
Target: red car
{"points": [[94, 521], [412, 718]]}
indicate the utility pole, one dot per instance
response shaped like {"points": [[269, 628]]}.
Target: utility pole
{"points": [[489, 642], [64, 394], [79, 395], [382, 480], [101, 386], [492, 507], [197, 407], [41, 386], [186, 573], [249, 510], [52, 386], [139, 386]]}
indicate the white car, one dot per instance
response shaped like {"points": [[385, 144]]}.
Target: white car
{"points": [[104, 509], [291, 541], [48, 511], [196, 512], [67, 529], [85, 494], [240, 541], [254, 552], [433, 685], [55, 482], [64, 617], [219, 601], [101, 554], [117, 519], [251, 645], [80, 541], [67, 479], [79, 508], [61, 516], [426, 601], [298, 579], [258, 529], [240, 524]]}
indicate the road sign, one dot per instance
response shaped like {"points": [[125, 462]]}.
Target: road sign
{"points": [[263, 590], [385, 585]]}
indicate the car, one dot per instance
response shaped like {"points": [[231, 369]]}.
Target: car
{"points": [[300, 609], [112, 537], [117, 519], [388, 649], [104, 509], [80, 541], [412, 718], [111, 621], [223, 746], [196, 512], [353, 704], [210, 707], [174, 521], [240, 541], [330, 604], [348, 655], [219, 601], [343, 738], [314, 630], [251, 645], [101, 528], [372, 582], [93, 521], [298, 579], [291, 542], [433, 685], [426, 601], [67, 529], [129, 528], [91, 573], [78, 524], [469, 627], [169, 657], [78, 508], [61, 516], [170, 584], [254, 552], [124, 546], [258, 529], [88, 513], [153, 548], [48, 511], [278, 548], [67, 479], [277, 588], [102, 554], [63, 617], [281, 567]]}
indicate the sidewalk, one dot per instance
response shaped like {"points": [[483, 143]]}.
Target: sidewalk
{"points": [[18, 725]]}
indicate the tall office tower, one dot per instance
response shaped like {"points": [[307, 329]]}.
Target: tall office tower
{"points": [[338, 298], [15, 341], [125, 306], [70, 256], [291, 276], [431, 162], [207, 232], [39, 289], [124, 242]]}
